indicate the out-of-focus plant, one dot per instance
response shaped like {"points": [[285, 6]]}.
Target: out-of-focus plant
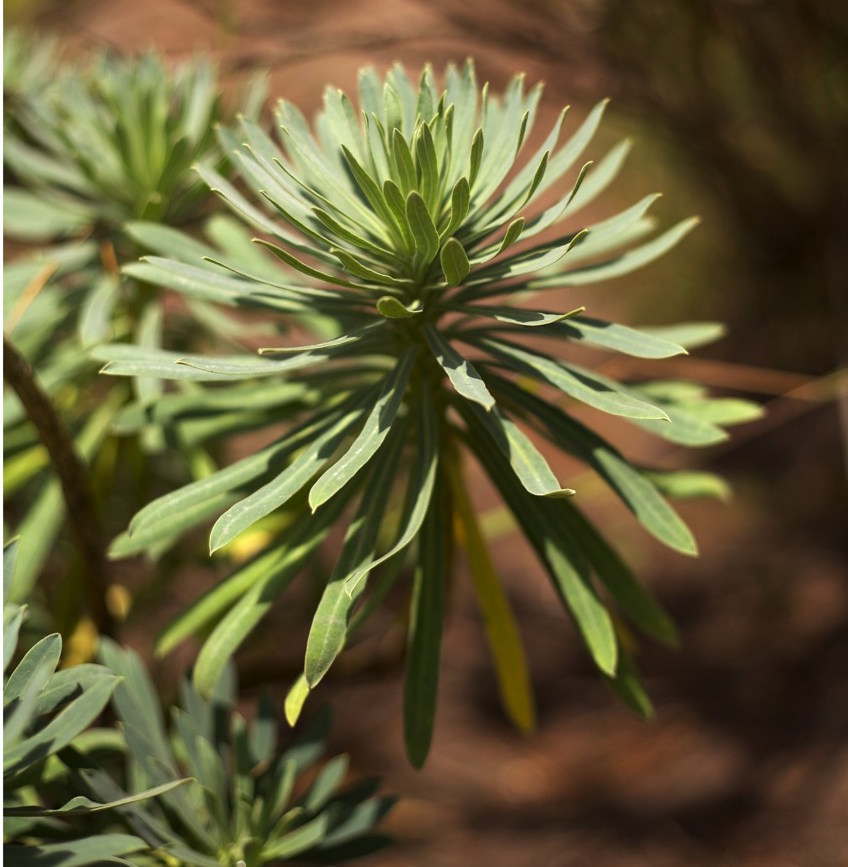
{"points": [[46, 715], [243, 801], [248, 805], [88, 147], [411, 231]]}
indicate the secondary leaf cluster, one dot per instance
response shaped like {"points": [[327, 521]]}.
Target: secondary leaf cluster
{"points": [[214, 790], [89, 146]]}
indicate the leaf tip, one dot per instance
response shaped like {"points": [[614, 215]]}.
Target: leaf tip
{"points": [[561, 494]]}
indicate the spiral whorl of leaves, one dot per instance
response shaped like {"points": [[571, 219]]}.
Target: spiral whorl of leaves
{"points": [[407, 231]]}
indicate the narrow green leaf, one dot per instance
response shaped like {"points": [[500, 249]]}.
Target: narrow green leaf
{"points": [[428, 166], [192, 500], [85, 852], [633, 599], [81, 805], [623, 264], [296, 842], [689, 334], [461, 373], [373, 193], [603, 394], [295, 699], [565, 565], [352, 336], [640, 496], [371, 437], [12, 620], [61, 730], [220, 598], [688, 484], [460, 201], [397, 204], [419, 490], [304, 537], [328, 632], [628, 687], [299, 265], [425, 630], [528, 464], [610, 335], [570, 152], [602, 175], [355, 266], [518, 316], [43, 655], [325, 784], [423, 230], [475, 158], [403, 163], [279, 490]]}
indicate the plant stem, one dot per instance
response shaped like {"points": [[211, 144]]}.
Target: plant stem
{"points": [[73, 478]]}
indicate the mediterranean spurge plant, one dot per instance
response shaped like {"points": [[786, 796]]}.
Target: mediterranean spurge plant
{"points": [[89, 146], [408, 232]]}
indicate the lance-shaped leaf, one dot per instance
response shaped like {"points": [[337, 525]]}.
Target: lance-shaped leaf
{"points": [[460, 200], [102, 849], [567, 568], [352, 336], [423, 230], [625, 263], [527, 462], [633, 599], [329, 624], [686, 484], [517, 315], [570, 152], [425, 630], [82, 805], [279, 490], [524, 263], [193, 503], [461, 372], [61, 730], [610, 335], [371, 437], [600, 393], [628, 687], [640, 496], [301, 541], [603, 173], [419, 490], [689, 334]]}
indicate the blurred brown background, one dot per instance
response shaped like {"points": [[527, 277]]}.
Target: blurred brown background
{"points": [[739, 112]]}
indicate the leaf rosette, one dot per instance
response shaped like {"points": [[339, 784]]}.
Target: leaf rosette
{"points": [[408, 230]]}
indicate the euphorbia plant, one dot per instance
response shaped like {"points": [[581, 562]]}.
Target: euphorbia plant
{"points": [[409, 231], [89, 146]]}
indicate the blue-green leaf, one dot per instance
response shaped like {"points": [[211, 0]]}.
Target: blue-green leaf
{"points": [[461, 372], [371, 437]]}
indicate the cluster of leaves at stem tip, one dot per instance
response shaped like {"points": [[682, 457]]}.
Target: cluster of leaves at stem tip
{"points": [[408, 231], [90, 145], [243, 801]]}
